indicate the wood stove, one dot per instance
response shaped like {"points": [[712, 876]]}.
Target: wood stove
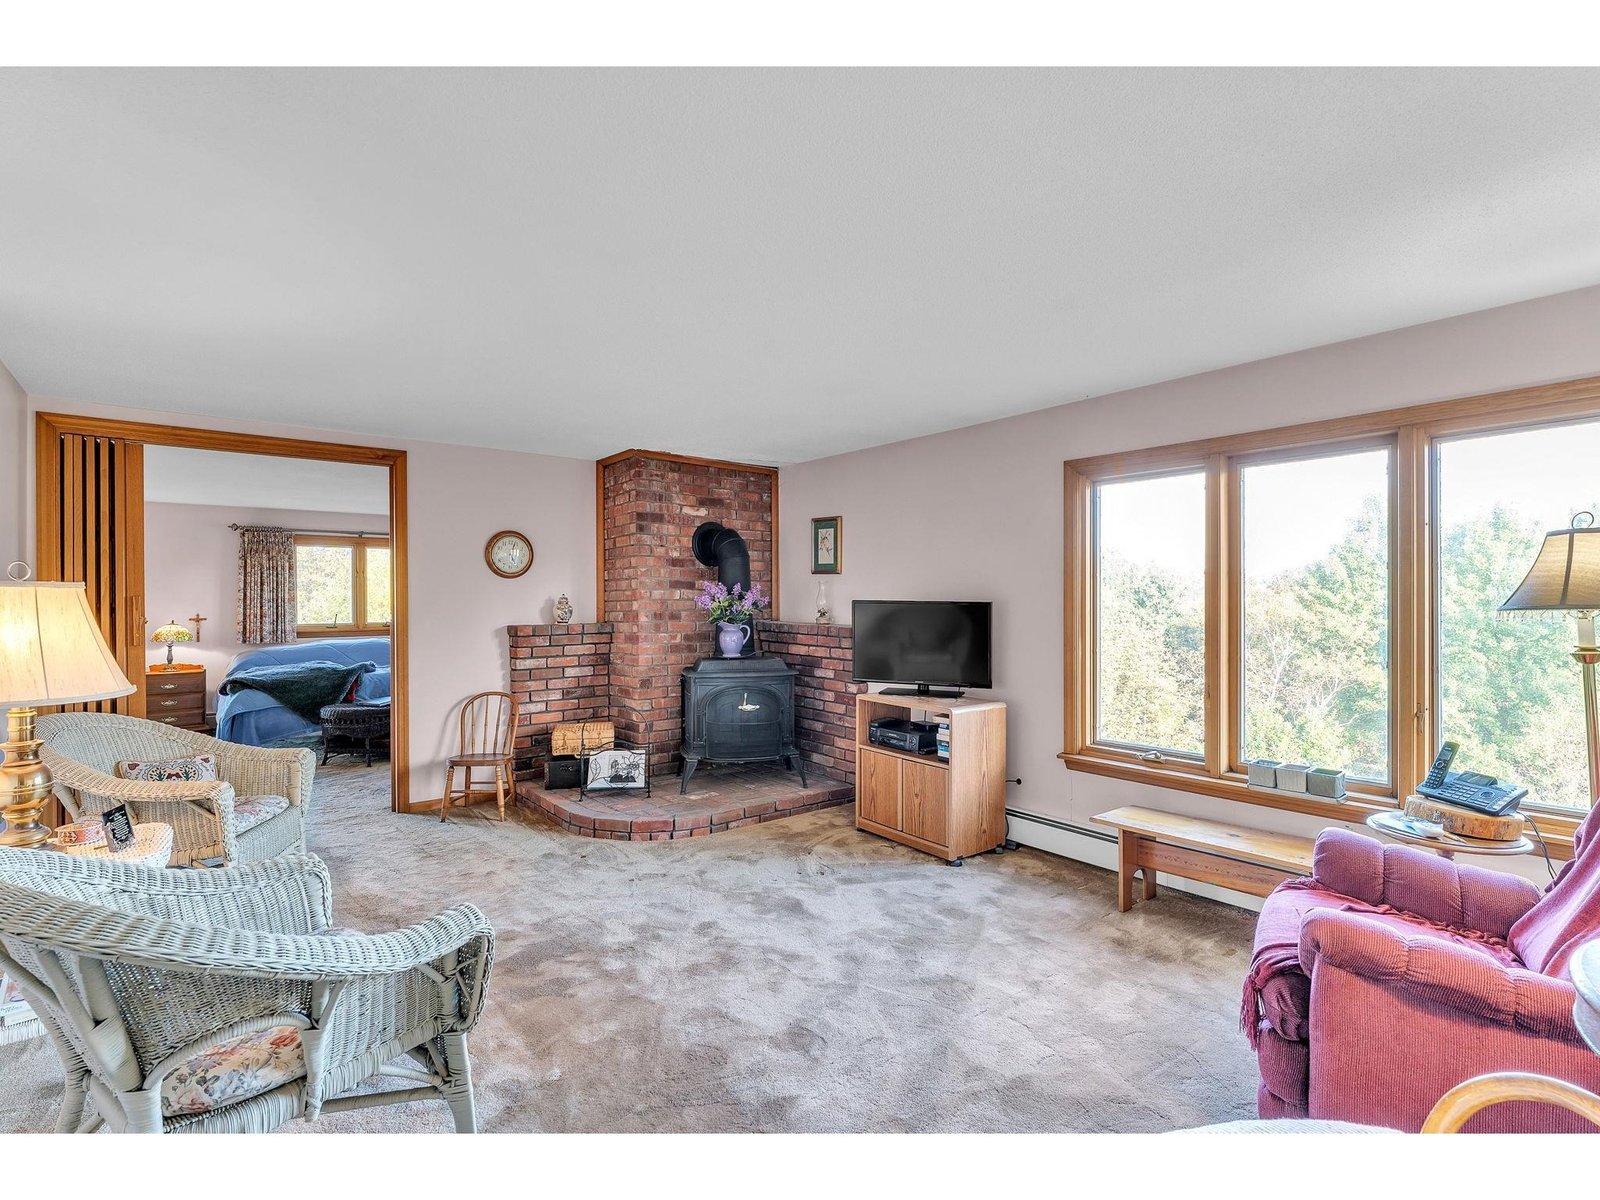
{"points": [[739, 710]]}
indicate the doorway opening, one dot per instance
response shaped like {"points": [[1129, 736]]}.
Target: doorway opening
{"points": [[160, 522]]}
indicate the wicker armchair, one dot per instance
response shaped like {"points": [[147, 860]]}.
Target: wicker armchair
{"points": [[238, 818], [222, 1001]]}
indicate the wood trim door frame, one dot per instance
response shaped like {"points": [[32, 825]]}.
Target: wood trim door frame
{"points": [[49, 426], [662, 456]]}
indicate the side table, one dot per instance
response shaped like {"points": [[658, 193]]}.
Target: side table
{"points": [[152, 847], [1393, 825]]}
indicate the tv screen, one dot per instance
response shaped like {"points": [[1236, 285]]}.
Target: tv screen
{"points": [[942, 643]]}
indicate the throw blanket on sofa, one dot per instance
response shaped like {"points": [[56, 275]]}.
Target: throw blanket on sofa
{"points": [[303, 688]]}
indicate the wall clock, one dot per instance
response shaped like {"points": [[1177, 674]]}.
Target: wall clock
{"points": [[508, 554]]}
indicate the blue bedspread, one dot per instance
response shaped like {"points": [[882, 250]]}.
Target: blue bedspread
{"points": [[252, 718]]}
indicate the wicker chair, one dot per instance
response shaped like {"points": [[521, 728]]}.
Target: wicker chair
{"points": [[223, 1002], [235, 818]]}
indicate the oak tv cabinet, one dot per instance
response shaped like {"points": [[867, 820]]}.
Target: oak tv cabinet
{"points": [[946, 808]]}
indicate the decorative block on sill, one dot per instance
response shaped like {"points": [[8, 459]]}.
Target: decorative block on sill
{"points": [[1295, 779]]}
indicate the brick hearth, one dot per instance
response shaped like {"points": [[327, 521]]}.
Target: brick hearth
{"points": [[719, 798]]}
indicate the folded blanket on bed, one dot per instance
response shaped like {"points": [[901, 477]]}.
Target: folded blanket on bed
{"points": [[303, 688]]}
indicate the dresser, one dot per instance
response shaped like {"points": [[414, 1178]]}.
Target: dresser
{"points": [[176, 697]]}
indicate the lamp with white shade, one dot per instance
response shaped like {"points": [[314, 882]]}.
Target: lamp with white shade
{"points": [[1565, 577], [51, 652]]}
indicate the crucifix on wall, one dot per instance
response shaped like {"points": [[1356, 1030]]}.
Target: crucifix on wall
{"points": [[195, 621]]}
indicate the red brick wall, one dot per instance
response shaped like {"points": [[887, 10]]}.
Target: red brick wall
{"points": [[824, 697], [558, 673], [650, 509]]}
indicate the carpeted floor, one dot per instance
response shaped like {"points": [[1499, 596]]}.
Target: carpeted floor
{"points": [[790, 977]]}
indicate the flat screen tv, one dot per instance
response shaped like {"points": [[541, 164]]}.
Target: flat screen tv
{"points": [[927, 644]]}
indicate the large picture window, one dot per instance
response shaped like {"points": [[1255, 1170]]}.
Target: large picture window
{"points": [[1327, 594], [342, 584], [1508, 690], [1315, 619]]}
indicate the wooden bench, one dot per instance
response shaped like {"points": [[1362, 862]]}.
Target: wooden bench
{"points": [[1231, 856]]}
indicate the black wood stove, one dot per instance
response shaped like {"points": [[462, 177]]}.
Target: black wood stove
{"points": [[739, 710]]}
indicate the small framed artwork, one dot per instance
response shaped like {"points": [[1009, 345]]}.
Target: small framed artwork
{"points": [[826, 545]]}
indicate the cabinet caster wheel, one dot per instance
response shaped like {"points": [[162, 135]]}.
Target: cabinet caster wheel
{"points": [[956, 862]]}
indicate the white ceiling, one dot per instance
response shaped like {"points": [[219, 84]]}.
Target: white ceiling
{"points": [[758, 264], [176, 476]]}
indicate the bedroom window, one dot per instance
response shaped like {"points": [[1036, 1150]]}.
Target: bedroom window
{"points": [[342, 585], [1326, 594]]}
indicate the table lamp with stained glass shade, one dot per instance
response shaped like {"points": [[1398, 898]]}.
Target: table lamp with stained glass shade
{"points": [[1565, 577], [51, 652], [169, 635]]}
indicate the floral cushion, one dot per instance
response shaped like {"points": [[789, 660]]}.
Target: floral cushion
{"points": [[234, 1070], [250, 811], [201, 767]]}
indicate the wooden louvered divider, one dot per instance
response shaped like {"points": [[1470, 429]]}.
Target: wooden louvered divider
{"points": [[91, 530]]}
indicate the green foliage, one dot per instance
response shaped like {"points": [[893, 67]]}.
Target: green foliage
{"points": [[1316, 646], [324, 585]]}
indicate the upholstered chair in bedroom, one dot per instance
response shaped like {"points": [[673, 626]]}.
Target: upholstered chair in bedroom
{"points": [[1392, 975], [254, 809], [224, 1002]]}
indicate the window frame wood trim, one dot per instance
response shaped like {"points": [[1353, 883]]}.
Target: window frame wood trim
{"points": [[360, 544], [1412, 433]]}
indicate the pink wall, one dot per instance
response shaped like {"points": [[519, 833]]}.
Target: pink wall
{"points": [[13, 482], [458, 496], [981, 516], [192, 565]]}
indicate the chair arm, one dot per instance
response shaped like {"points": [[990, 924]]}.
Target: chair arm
{"points": [[1439, 973], [1418, 882], [200, 811], [268, 771]]}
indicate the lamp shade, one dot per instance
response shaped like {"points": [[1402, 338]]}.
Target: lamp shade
{"points": [[51, 651], [168, 634], [1566, 575]]}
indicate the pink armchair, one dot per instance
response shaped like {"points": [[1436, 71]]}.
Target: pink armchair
{"points": [[1391, 975]]}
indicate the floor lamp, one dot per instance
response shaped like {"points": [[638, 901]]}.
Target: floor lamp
{"points": [[1565, 577], [51, 652]]}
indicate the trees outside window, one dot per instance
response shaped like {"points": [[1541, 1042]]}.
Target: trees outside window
{"points": [[342, 584]]}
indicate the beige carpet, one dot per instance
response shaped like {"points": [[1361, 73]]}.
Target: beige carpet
{"points": [[795, 976]]}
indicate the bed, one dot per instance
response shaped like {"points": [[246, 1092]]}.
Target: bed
{"points": [[252, 718]]}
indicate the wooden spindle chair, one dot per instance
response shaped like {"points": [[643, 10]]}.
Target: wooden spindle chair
{"points": [[488, 741]]}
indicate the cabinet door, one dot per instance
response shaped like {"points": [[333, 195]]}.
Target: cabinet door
{"points": [[925, 802], [878, 788]]}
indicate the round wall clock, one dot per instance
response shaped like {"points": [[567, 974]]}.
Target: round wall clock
{"points": [[508, 554]]}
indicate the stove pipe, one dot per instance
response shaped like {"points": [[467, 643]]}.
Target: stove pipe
{"points": [[715, 545]]}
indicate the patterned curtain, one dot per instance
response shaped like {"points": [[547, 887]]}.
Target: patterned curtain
{"points": [[266, 586]]}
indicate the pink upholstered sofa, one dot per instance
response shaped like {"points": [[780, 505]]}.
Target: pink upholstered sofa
{"points": [[1391, 975]]}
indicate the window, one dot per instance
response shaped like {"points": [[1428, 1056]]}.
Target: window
{"points": [[1508, 691], [1151, 536], [1327, 593], [1316, 612], [341, 584]]}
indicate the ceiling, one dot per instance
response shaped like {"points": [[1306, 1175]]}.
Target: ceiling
{"points": [[769, 265], [173, 475]]}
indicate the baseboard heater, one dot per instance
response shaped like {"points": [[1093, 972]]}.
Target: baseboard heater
{"points": [[1098, 835]]}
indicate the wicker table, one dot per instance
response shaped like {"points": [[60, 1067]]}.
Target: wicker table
{"points": [[353, 726], [152, 847]]}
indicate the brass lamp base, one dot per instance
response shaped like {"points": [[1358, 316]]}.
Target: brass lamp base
{"points": [[25, 784]]}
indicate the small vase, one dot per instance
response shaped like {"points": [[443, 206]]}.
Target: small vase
{"points": [[731, 639], [563, 611]]}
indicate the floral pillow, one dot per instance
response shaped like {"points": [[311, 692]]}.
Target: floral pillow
{"points": [[234, 1070], [202, 767]]}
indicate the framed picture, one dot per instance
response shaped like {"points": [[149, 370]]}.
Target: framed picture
{"points": [[617, 771], [827, 547]]}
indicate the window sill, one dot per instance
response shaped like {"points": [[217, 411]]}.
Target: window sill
{"points": [[315, 634], [1354, 808]]}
